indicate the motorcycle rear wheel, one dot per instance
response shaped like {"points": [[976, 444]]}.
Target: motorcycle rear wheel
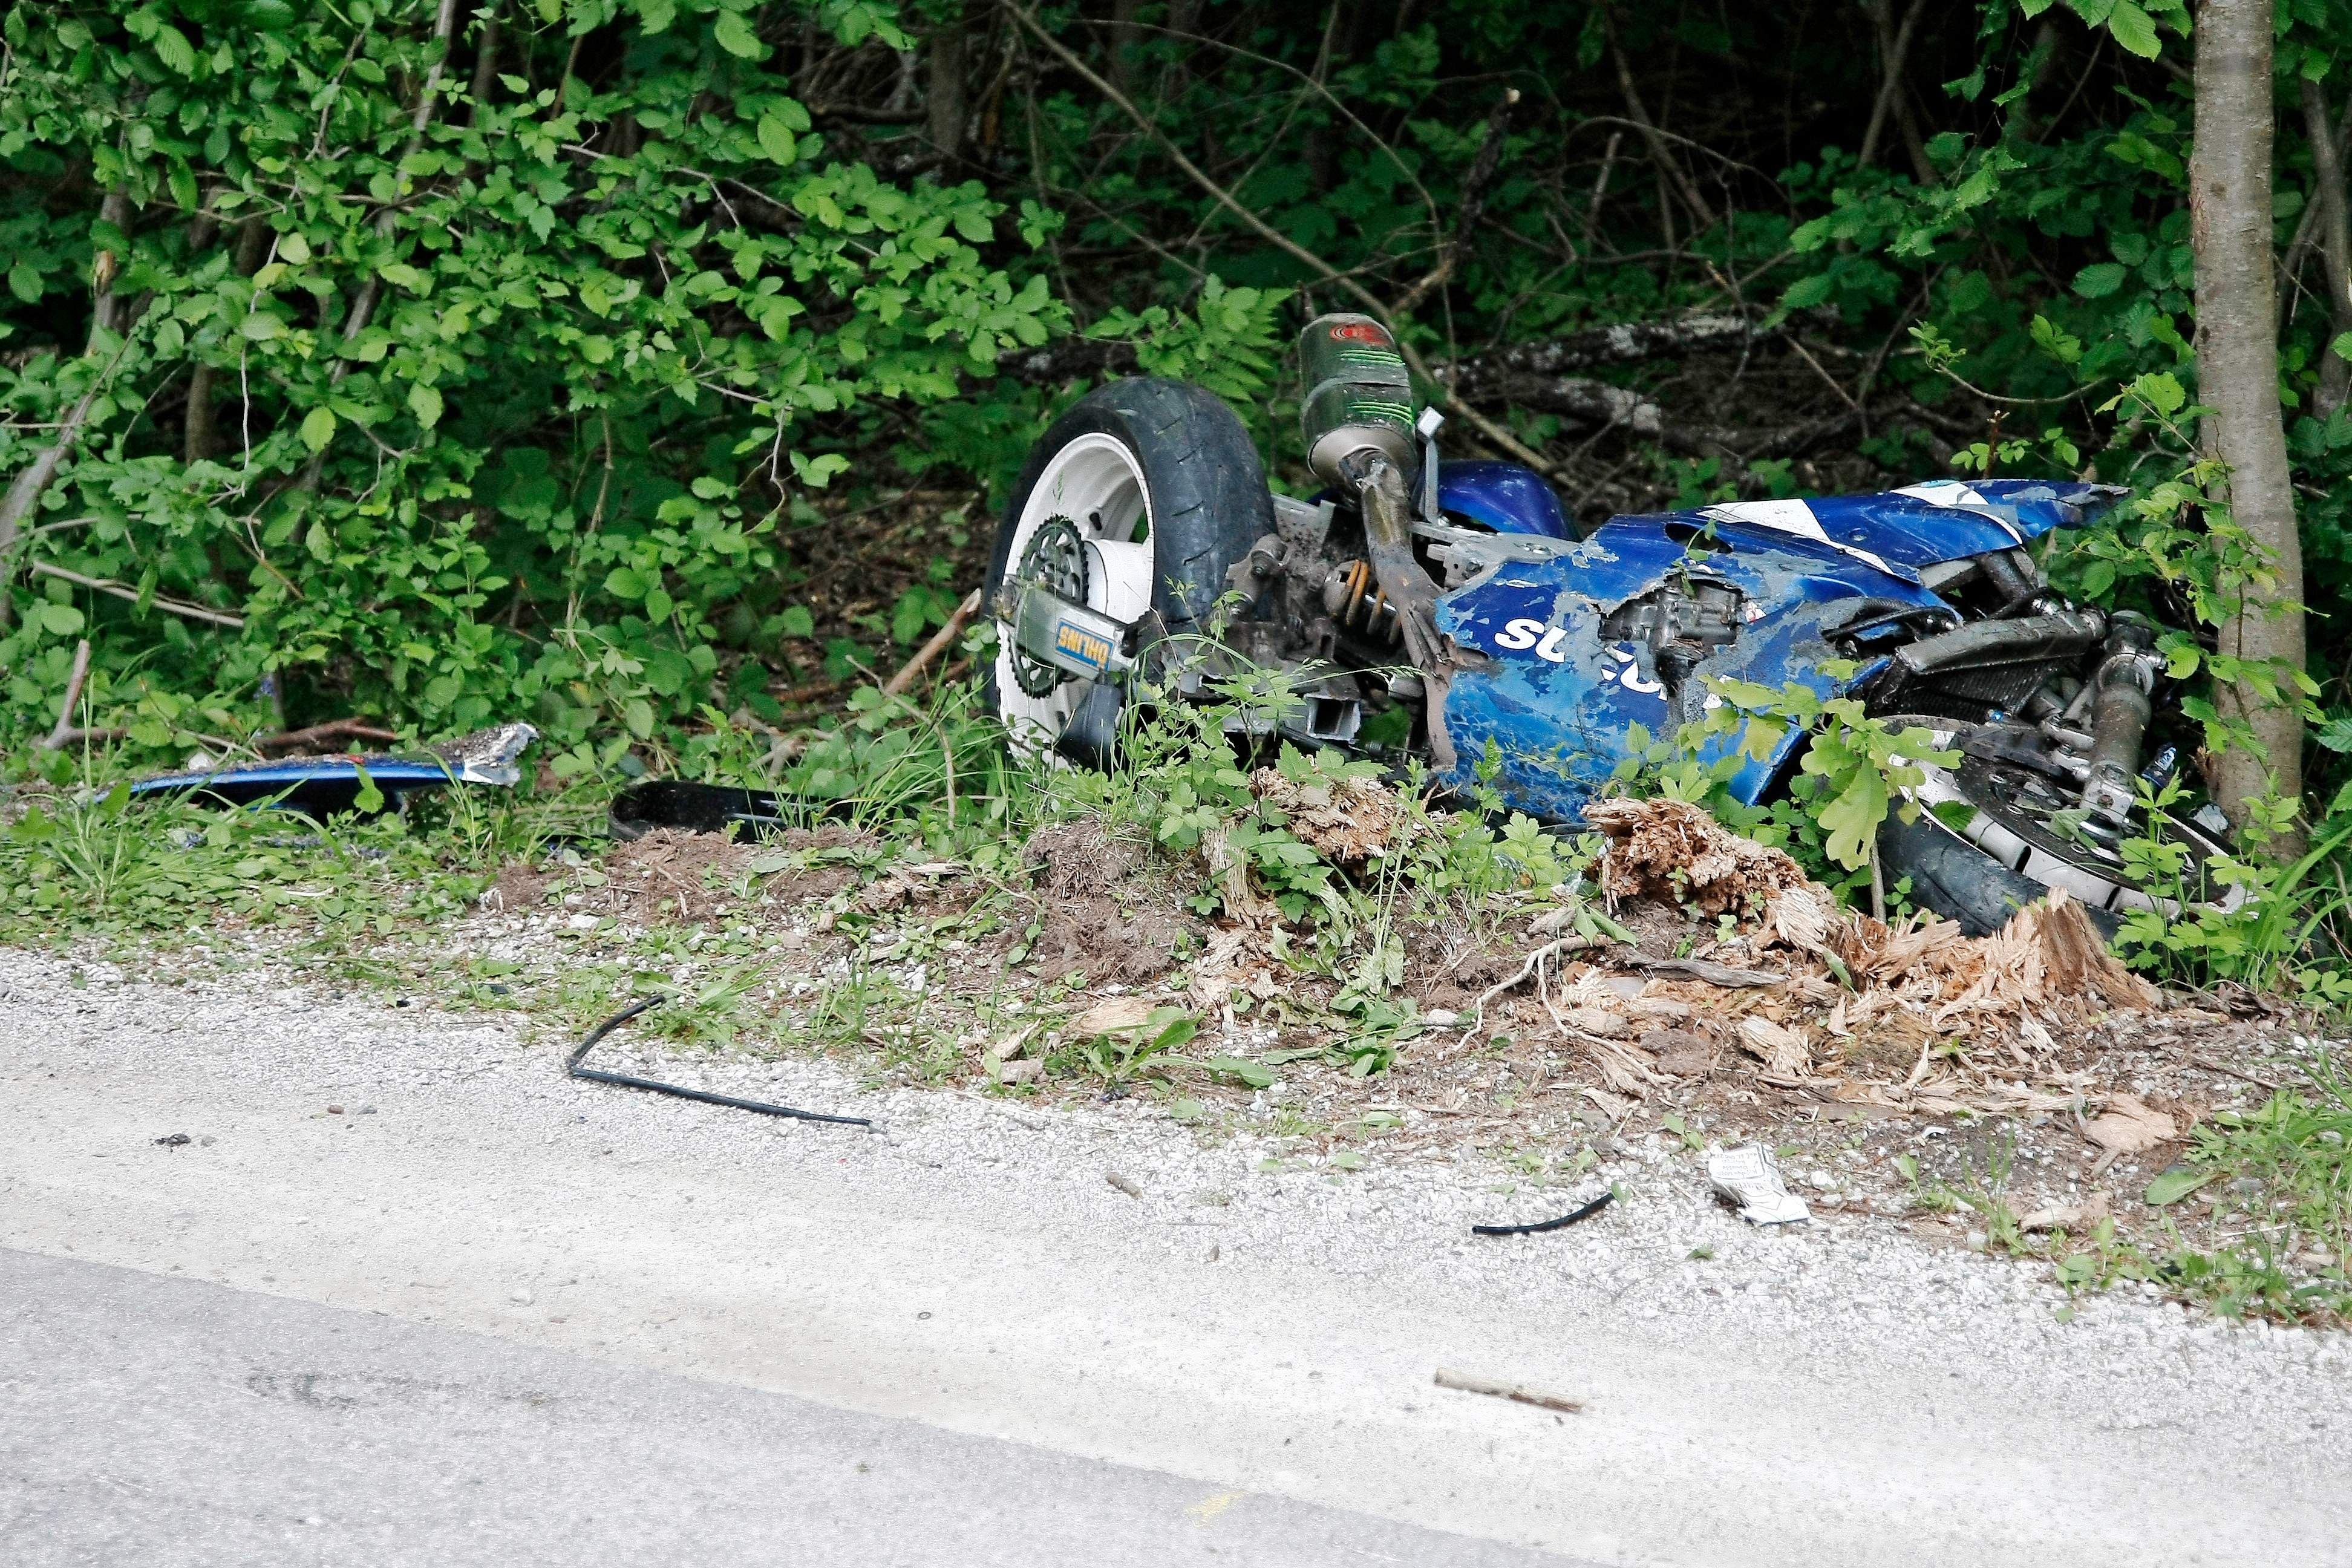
{"points": [[1985, 843], [1139, 501]]}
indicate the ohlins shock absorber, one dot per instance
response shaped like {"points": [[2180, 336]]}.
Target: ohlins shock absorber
{"points": [[1358, 421], [1353, 600]]}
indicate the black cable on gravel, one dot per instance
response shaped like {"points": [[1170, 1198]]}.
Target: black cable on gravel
{"points": [[572, 1065], [1562, 1222]]}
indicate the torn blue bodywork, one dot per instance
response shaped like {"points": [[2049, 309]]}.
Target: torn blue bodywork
{"points": [[329, 786], [1558, 685]]}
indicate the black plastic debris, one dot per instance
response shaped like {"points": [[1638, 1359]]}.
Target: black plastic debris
{"points": [[329, 786], [694, 807], [175, 1140], [595, 1075], [1562, 1222]]}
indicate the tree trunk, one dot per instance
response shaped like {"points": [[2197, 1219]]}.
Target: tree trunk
{"points": [[2237, 359], [947, 105], [200, 440], [2335, 225], [24, 498]]}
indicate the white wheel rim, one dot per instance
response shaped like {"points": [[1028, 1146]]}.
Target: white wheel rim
{"points": [[1095, 482], [2008, 849]]}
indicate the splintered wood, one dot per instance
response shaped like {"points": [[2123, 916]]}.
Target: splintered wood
{"points": [[1671, 850], [1908, 1013], [1349, 820]]}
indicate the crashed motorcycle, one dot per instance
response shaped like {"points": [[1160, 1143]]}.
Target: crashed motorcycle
{"points": [[1447, 610]]}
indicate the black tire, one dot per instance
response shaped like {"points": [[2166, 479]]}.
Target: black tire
{"points": [[1986, 872], [1959, 881], [1205, 493]]}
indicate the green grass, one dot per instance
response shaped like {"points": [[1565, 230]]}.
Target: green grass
{"points": [[2281, 1179]]}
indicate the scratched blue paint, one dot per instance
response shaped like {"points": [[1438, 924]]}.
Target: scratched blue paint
{"points": [[1559, 726]]}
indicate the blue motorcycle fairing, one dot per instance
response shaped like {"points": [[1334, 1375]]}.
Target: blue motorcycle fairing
{"points": [[1505, 496], [1557, 703], [1919, 525]]}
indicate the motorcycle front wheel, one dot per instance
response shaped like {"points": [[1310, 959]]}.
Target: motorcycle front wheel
{"points": [[1138, 502], [1993, 834]]}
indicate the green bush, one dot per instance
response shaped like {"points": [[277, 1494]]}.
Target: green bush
{"points": [[466, 405]]}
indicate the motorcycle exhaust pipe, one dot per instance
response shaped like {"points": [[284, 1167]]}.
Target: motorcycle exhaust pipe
{"points": [[1358, 398], [1360, 439]]}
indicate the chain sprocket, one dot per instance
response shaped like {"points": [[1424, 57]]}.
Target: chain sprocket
{"points": [[1055, 560]]}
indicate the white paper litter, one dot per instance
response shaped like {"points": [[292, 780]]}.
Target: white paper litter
{"points": [[1751, 1177]]}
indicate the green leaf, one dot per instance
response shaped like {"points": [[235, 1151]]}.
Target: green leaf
{"points": [[776, 141], [61, 620], [370, 800], [425, 402], [2132, 29], [2100, 279], [2171, 1187], [172, 47], [25, 282], [639, 715], [318, 428], [624, 582], [796, 622], [2163, 393], [1257, 1075], [817, 472], [735, 36], [1854, 818]]}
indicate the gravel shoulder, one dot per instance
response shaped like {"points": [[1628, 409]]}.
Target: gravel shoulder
{"points": [[1842, 1392]]}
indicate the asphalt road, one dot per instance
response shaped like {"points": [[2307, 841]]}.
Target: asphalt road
{"points": [[1033, 1355], [158, 1421]]}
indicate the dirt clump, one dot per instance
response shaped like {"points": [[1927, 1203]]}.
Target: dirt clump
{"points": [[520, 889], [1451, 978], [1662, 927], [1108, 911], [1684, 1053], [672, 876]]}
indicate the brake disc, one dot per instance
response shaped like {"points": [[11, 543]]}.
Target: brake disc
{"points": [[2045, 814]]}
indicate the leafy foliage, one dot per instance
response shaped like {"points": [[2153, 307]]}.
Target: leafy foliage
{"points": [[510, 396]]}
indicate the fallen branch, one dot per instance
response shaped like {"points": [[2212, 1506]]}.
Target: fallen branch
{"points": [[941, 640], [1627, 343], [1707, 970], [317, 734], [104, 736], [121, 591], [61, 737], [1474, 204], [1466, 1383]]}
